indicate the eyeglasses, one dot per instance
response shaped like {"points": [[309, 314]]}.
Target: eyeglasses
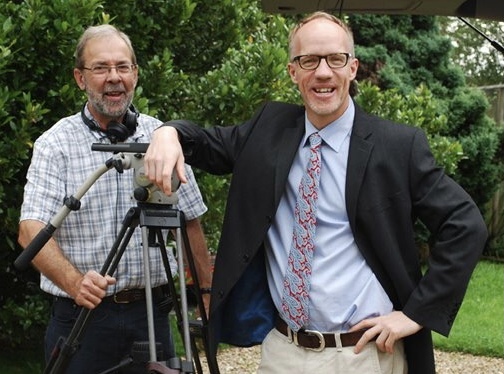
{"points": [[312, 62], [106, 69]]}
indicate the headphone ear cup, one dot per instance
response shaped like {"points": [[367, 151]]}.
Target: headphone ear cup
{"points": [[130, 119], [117, 132]]}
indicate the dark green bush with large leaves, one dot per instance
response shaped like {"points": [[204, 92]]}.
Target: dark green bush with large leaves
{"points": [[36, 48]]}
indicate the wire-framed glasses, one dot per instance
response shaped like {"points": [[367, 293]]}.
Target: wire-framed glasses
{"points": [[106, 69], [312, 62]]}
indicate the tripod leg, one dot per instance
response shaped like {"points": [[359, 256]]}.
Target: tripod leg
{"points": [[68, 346], [183, 296], [148, 295], [177, 307], [200, 327]]}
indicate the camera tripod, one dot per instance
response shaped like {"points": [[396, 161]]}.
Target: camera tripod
{"points": [[152, 218]]}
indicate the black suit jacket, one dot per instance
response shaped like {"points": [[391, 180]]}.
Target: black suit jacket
{"points": [[392, 180]]}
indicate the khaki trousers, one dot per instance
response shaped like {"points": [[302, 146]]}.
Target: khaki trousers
{"points": [[279, 356]]}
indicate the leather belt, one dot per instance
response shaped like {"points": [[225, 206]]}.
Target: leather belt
{"points": [[131, 295], [316, 340]]}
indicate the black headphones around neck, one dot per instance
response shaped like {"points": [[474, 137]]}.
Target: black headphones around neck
{"points": [[116, 131]]}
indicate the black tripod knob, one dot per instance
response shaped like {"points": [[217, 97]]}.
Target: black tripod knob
{"points": [[141, 194]]}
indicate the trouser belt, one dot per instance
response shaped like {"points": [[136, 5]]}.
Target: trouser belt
{"points": [[136, 294], [316, 340]]}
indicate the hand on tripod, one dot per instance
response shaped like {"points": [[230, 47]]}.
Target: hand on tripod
{"points": [[91, 289]]}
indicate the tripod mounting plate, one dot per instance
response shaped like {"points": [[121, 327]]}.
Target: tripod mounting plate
{"points": [[143, 189]]}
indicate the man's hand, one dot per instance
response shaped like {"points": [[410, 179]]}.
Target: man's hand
{"points": [[163, 155], [388, 329], [92, 289]]}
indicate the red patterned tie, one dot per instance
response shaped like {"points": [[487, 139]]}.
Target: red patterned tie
{"points": [[297, 278]]}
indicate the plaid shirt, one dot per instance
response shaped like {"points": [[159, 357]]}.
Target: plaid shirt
{"points": [[62, 161]]}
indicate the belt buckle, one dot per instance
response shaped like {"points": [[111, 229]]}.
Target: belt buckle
{"points": [[118, 300], [320, 337], [293, 338]]}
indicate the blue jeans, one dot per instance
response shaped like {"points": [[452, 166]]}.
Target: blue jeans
{"points": [[109, 334]]}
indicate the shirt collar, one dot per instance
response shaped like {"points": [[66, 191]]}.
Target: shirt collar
{"points": [[336, 132]]}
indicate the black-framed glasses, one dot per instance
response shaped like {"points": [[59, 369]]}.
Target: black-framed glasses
{"points": [[312, 62], [106, 69]]}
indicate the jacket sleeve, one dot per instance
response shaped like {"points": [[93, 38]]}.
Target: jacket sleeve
{"points": [[213, 149], [458, 237]]}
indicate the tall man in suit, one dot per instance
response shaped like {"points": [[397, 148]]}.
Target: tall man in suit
{"points": [[371, 309]]}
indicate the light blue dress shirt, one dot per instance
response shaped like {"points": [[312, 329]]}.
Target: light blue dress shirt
{"points": [[344, 290]]}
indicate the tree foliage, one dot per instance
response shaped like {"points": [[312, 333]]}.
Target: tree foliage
{"points": [[36, 44], [475, 50], [402, 52]]}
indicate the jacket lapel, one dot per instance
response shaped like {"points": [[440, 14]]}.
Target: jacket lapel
{"points": [[358, 158], [285, 154]]}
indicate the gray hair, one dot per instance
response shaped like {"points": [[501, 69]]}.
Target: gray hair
{"points": [[100, 31]]}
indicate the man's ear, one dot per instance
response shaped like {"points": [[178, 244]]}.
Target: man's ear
{"points": [[79, 79], [291, 69]]}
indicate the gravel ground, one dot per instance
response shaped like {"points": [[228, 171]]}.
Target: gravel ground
{"points": [[246, 360]]}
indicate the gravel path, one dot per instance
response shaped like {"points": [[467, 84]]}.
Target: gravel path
{"points": [[246, 360]]}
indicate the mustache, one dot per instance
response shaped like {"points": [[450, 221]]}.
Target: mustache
{"points": [[114, 88]]}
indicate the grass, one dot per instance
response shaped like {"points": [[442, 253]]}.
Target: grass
{"points": [[479, 326], [478, 329]]}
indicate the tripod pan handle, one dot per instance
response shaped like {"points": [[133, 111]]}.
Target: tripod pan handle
{"points": [[24, 259]]}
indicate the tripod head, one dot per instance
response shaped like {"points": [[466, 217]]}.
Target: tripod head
{"points": [[143, 190]]}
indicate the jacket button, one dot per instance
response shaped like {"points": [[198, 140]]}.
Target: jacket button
{"points": [[221, 294], [246, 258]]}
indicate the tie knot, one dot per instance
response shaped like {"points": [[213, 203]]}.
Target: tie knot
{"points": [[315, 140]]}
